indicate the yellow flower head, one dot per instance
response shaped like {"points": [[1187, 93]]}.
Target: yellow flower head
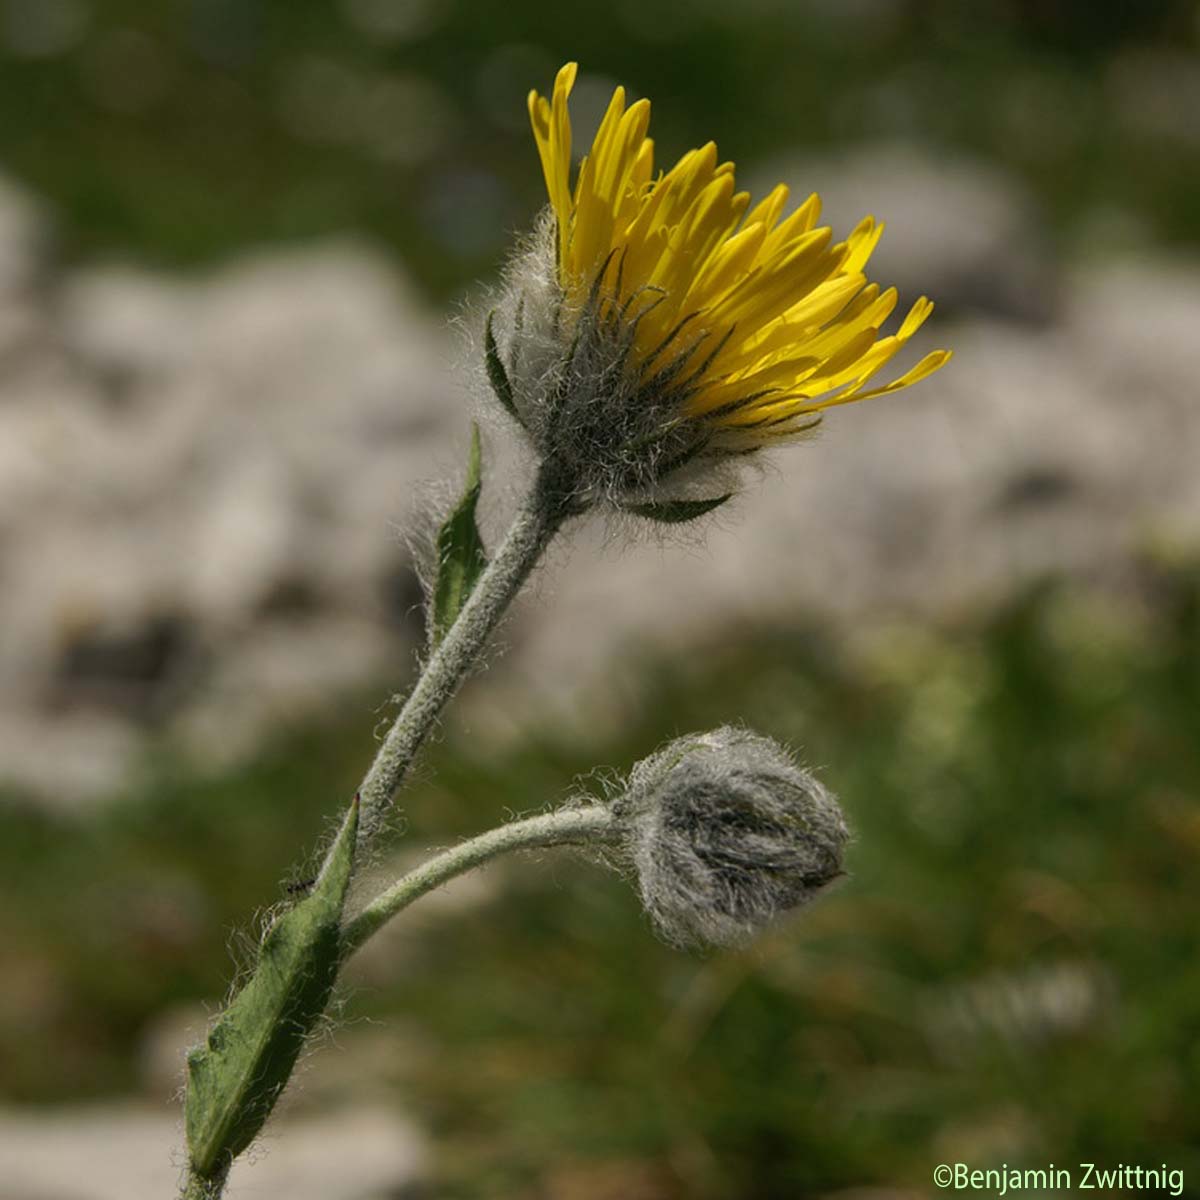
{"points": [[693, 323]]}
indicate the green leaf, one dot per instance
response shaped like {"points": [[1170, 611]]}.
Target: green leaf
{"points": [[236, 1077], [461, 556], [676, 512], [497, 375]]}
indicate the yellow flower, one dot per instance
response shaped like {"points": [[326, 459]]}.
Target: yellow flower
{"points": [[775, 321]]}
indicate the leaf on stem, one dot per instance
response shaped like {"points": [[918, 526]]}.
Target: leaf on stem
{"points": [[461, 556], [236, 1077]]}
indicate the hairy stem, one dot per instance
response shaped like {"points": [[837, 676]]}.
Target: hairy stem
{"points": [[195, 1187], [458, 653], [539, 519], [569, 826]]}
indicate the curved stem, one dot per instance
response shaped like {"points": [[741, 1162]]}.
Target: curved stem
{"points": [[570, 826], [536, 523]]}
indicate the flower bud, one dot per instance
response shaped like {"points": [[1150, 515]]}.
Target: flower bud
{"points": [[725, 832]]}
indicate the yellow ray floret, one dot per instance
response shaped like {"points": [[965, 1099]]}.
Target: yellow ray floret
{"points": [[789, 323]]}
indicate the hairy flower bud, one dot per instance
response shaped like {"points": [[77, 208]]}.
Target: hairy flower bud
{"points": [[725, 832]]}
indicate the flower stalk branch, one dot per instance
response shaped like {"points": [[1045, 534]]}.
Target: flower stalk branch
{"points": [[587, 825]]}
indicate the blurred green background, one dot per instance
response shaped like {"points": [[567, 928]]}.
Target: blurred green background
{"points": [[1012, 971], [179, 131]]}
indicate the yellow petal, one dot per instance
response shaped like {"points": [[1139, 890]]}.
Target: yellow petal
{"points": [[552, 132]]}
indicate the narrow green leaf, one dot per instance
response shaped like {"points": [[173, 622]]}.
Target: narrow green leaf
{"points": [[497, 375], [236, 1077], [676, 512], [461, 556]]}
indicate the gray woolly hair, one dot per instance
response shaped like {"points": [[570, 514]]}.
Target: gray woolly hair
{"points": [[726, 832], [613, 426]]}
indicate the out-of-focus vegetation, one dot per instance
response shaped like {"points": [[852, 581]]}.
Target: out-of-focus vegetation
{"points": [[1011, 973], [181, 131]]}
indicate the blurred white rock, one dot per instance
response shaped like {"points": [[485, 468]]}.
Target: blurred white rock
{"points": [[131, 1152], [203, 481], [200, 484]]}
